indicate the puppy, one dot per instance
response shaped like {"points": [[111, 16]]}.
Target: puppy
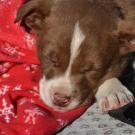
{"points": [[83, 47]]}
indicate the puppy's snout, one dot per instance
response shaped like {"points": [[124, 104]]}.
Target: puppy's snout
{"points": [[61, 100]]}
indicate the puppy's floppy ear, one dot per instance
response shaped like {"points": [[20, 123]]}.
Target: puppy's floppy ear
{"points": [[33, 13], [126, 25]]}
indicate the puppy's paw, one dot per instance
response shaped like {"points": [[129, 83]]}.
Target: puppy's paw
{"points": [[113, 95]]}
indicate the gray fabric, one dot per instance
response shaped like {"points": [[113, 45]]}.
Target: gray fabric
{"points": [[94, 122]]}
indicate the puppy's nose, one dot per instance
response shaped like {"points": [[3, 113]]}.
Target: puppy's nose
{"points": [[61, 100]]}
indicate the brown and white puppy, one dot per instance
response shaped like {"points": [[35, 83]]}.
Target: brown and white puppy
{"points": [[83, 47]]}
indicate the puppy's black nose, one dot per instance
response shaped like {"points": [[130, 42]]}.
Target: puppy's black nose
{"points": [[61, 100]]}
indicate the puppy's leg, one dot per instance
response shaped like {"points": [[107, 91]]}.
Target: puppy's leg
{"points": [[112, 95]]}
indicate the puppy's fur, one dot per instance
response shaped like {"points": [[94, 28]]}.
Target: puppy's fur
{"points": [[82, 44]]}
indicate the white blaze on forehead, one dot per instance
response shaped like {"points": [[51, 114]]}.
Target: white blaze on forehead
{"points": [[49, 87], [77, 39]]}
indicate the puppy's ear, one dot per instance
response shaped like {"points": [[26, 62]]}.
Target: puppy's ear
{"points": [[126, 25], [126, 36], [33, 13]]}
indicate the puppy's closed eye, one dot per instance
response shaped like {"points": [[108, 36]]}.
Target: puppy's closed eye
{"points": [[86, 68], [51, 58]]}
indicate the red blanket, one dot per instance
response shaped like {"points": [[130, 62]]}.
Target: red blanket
{"points": [[22, 112]]}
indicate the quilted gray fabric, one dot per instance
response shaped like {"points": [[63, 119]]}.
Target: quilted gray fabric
{"points": [[94, 122]]}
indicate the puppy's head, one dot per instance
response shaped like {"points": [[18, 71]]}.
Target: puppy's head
{"points": [[80, 44]]}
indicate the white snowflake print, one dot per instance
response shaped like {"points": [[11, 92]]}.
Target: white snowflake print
{"points": [[3, 133], [62, 123], [6, 111], [34, 92], [31, 115], [27, 132], [29, 40], [9, 2], [27, 68], [23, 101], [2, 1], [6, 75], [33, 66], [35, 88], [7, 26], [11, 50], [4, 89], [17, 87]]}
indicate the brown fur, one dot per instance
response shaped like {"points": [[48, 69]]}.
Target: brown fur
{"points": [[109, 26]]}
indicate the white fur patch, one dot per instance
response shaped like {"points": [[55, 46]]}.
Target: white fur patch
{"points": [[63, 83], [77, 39]]}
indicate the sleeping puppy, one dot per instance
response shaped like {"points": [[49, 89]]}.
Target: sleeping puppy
{"points": [[83, 47]]}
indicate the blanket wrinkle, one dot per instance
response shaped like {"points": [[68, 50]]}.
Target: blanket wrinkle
{"points": [[22, 112]]}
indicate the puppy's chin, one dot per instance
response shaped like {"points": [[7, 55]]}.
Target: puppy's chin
{"points": [[73, 105]]}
